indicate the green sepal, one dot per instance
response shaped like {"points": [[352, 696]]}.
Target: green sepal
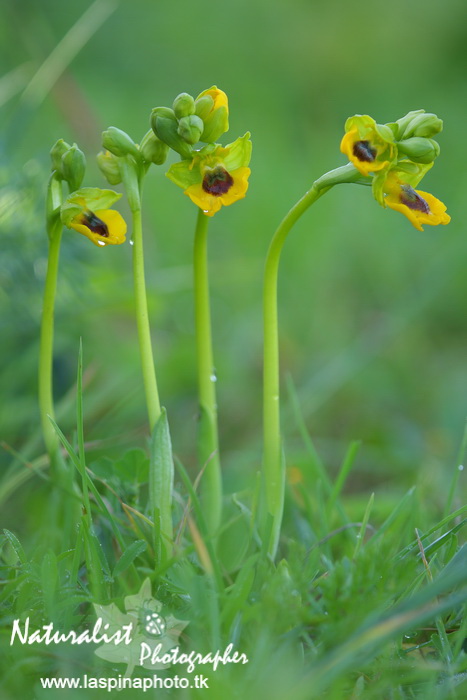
{"points": [[385, 132], [377, 186], [239, 153], [183, 105], [74, 167], [366, 124], [161, 476], [91, 198], [394, 128], [185, 173], [412, 172]]}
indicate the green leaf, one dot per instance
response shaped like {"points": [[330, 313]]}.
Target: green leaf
{"points": [[161, 475], [129, 555], [16, 545]]}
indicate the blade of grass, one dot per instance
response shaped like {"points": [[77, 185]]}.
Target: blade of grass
{"points": [[413, 545], [317, 468], [362, 531], [104, 510], [394, 514], [344, 471], [445, 645], [201, 524]]}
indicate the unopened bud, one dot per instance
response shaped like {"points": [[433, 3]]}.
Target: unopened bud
{"points": [[190, 128], [165, 127], [119, 143], [109, 167], [419, 150], [203, 106], [153, 149], [74, 167], [59, 148], [183, 105], [418, 123]]}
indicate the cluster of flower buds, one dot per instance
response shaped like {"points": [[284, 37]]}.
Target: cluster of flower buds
{"points": [[119, 145], [68, 163], [191, 120], [397, 155]]}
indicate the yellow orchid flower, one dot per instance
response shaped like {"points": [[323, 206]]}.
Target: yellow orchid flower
{"points": [[216, 176], [368, 145], [418, 206], [102, 227], [87, 211]]}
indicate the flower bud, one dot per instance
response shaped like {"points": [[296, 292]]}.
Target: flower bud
{"points": [[119, 143], [165, 112], [153, 149], [109, 167], [73, 167], [419, 150], [418, 123], [212, 107], [183, 105], [203, 106], [56, 152], [190, 128], [426, 125], [165, 127]]}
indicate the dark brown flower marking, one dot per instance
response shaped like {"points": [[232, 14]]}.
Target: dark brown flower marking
{"points": [[364, 152], [413, 200], [217, 181], [95, 224]]}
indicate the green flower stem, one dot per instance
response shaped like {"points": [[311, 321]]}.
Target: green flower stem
{"points": [[208, 443], [142, 320], [273, 459], [46, 405]]}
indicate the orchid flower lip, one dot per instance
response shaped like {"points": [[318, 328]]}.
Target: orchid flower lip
{"points": [[95, 224], [412, 199], [217, 181], [364, 152]]}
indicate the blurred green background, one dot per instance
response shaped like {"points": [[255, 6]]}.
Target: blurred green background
{"points": [[373, 322]]}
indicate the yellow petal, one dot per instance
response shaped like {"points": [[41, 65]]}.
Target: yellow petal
{"points": [[436, 214], [113, 221]]}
